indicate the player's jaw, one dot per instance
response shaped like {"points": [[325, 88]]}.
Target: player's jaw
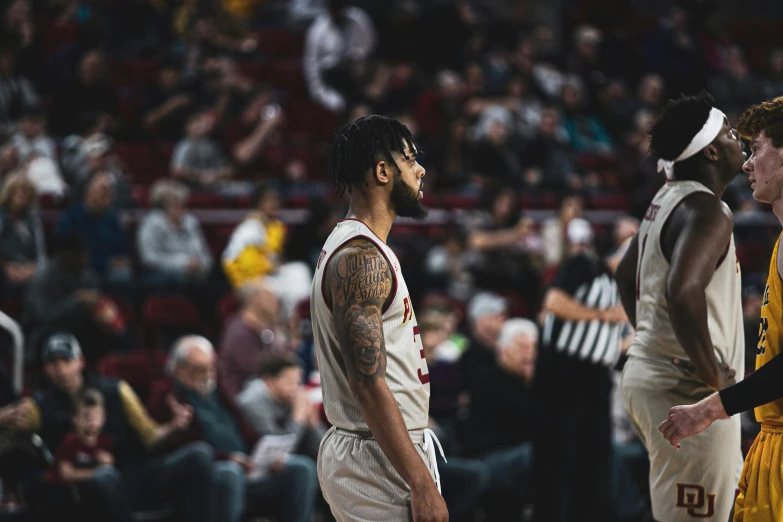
{"points": [[406, 200]]}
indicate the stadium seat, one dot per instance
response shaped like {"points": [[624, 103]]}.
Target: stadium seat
{"points": [[139, 369], [166, 317]]}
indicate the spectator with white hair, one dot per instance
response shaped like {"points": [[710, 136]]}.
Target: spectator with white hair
{"points": [[289, 487], [498, 430], [486, 313], [170, 241], [255, 331]]}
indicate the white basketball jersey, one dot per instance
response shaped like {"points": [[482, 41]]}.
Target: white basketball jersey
{"points": [[654, 333], [406, 369]]}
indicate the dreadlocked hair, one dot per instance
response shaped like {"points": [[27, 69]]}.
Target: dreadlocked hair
{"points": [[360, 145], [765, 117], [681, 120]]}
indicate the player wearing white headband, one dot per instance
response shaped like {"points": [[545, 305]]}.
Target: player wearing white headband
{"points": [[680, 285]]}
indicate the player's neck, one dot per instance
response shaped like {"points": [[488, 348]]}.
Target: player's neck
{"points": [[777, 209], [377, 218]]}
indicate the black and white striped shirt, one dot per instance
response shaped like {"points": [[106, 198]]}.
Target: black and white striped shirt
{"points": [[587, 279]]}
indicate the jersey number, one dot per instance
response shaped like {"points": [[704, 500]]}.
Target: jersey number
{"points": [[407, 315], [639, 269], [761, 348]]}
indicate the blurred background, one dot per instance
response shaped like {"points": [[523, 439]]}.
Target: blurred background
{"points": [[158, 157]]}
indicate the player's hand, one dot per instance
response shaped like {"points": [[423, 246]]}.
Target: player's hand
{"points": [[428, 505], [687, 421], [616, 314]]}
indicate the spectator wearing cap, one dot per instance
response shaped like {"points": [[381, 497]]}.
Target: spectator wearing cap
{"points": [[486, 313], [498, 429], [170, 242], [22, 247], [253, 333], [579, 347], [64, 295], [197, 158], [289, 488], [182, 476], [98, 222]]}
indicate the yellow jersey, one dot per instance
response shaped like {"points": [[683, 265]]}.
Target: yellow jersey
{"points": [[254, 250], [771, 334]]}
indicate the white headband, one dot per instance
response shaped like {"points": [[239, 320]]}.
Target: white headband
{"points": [[704, 137]]}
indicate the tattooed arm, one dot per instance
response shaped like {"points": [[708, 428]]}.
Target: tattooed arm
{"points": [[359, 281]]}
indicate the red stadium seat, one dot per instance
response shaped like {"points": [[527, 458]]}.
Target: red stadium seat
{"points": [[139, 369], [170, 310]]}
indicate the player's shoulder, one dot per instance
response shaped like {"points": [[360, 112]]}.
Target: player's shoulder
{"points": [[360, 253], [705, 207]]}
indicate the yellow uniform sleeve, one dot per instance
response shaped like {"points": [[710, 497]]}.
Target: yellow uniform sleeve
{"points": [[135, 413]]}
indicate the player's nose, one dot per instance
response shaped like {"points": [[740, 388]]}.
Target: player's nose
{"points": [[747, 166]]}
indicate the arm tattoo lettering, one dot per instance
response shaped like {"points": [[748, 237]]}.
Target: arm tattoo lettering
{"points": [[360, 281]]}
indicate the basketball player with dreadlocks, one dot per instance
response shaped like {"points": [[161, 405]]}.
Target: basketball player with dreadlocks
{"points": [[680, 286], [760, 496], [377, 463]]}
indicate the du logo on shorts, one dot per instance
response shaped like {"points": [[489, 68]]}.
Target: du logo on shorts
{"points": [[693, 498]]}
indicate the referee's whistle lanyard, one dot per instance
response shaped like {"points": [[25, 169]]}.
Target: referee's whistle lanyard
{"points": [[430, 441]]}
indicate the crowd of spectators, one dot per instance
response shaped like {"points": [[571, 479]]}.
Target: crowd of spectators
{"points": [[163, 206]]}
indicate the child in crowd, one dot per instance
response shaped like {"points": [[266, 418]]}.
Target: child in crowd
{"points": [[85, 449]]}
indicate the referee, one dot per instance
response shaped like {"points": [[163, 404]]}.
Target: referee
{"points": [[580, 344]]}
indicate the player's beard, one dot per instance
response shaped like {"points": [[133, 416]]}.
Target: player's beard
{"points": [[405, 200]]}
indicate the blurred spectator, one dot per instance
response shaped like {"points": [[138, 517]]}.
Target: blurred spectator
{"points": [[504, 248], [100, 225], [64, 295], [672, 52], [182, 476], [253, 333], [170, 242], [442, 357], [553, 231], [289, 487], [336, 45], [19, 33], [17, 93], [495, 158], [22, 246], [197, 159], [166, 103], [90, 92], [259, 121], [547, 158], [256, 245], [580, 344], [276, 403], [497, 429], [772, 83], [447, 266], [37, 153], [486, 314], [584, 61], [735, 87], [90, 133], [586, 133], [86, 453], [92, 154]]}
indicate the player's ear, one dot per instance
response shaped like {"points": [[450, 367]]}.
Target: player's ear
{"points": [[382, 173], [711, 151]]}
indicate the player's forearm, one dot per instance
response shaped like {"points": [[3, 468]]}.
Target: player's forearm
{"points": [[385, 421], [763, 386], [688, 316]]}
